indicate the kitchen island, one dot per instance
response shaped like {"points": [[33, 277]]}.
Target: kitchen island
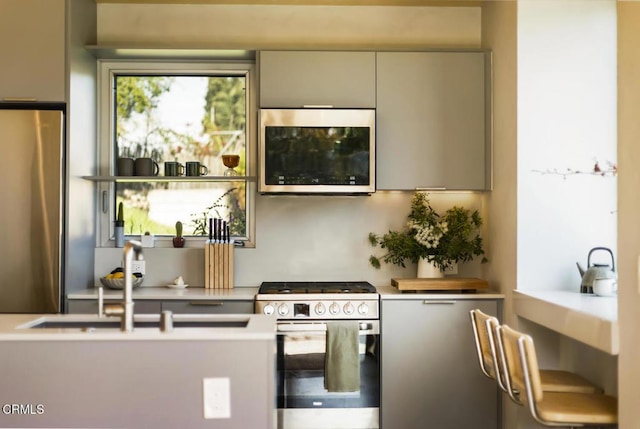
{"points": [[220, 376]]}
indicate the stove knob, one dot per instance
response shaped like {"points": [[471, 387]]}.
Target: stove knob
{"points": [[334, 308], [363, 308], [320, 309], [283, 310], [348, 308], [268, 309]]}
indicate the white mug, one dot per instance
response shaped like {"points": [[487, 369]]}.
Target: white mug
{"points": [[605, 287]]}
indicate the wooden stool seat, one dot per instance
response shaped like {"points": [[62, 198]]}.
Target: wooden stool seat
{"points": [[575, 409], [549, 408], [555, 380]]}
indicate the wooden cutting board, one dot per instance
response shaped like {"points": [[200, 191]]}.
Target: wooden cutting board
{"points": [[445, 283]]}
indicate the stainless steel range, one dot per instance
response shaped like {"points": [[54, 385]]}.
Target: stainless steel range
{"points": [[305, 312], [318, 300]]}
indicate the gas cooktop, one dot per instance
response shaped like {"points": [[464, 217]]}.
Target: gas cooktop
{"points": [[315, 287], [318, 300]]}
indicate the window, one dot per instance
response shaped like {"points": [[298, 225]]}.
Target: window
{"points": [[184, 113]]}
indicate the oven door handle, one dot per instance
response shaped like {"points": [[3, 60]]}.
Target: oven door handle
{"points": [[372, 328]]}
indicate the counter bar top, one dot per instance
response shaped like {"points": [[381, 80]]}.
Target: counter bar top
{"points": [[590, 319]]}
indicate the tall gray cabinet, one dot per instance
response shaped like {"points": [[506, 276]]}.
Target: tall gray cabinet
{"points": [[33, 46], [430, 372]]}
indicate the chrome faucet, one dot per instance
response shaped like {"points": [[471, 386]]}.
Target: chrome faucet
{"points": [[125, 308]]}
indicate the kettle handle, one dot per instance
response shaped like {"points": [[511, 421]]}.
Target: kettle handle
{"points": [[613, 263]]}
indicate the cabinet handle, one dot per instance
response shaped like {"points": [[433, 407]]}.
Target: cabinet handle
{"points": [[431, 188], [207, 303], [19, 99], [426, 301]]}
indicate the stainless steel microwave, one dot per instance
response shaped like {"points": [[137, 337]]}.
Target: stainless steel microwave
{"points": [[317, 151]]}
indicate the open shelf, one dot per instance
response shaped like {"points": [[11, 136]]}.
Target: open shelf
{"points": [[170, 178]]}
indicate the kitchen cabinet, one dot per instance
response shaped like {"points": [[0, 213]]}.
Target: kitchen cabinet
{"points": [[293, 79], [209, 306], [433, 120], [32, 43], [148, 306], [430, 373], [85, 306]]}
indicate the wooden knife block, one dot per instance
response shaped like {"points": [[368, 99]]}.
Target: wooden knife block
{"points": [[218, 265]]}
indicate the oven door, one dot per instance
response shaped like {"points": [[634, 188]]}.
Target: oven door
{"points": [[303, 402]]}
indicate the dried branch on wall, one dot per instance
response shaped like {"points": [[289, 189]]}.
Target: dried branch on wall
{"points": [[609, 170]]}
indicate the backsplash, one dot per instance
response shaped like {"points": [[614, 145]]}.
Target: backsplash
{"points": [[304, 238]]}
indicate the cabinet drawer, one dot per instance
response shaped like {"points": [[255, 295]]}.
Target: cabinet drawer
{"points": [[209, 306], [84, 306]]}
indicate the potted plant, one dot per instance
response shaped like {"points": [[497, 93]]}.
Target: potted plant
{"points": [[178, 240], [442, 240]]}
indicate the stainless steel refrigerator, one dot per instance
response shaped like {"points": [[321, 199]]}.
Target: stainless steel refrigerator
{"points": [[32, 194]]}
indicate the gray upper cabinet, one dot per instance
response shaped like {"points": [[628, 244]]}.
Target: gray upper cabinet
{"points": [[433, 120], [293, 79], [32, 43]]}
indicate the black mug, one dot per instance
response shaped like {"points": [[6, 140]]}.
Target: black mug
{"points": [[125, 167], [173, 168], [146, 167], [194, 168]]}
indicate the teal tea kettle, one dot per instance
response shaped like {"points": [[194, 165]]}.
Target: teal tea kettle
{"points": [[596, 271]]}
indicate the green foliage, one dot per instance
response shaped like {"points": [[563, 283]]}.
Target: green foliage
{"points": [[236, 221], [120, 217], [443, 240], [178, 229], [225, 103], [136, 94]]}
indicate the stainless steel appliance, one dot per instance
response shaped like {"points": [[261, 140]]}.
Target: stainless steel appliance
{"points": [[317, 151], [32, 174], [303, 311]]}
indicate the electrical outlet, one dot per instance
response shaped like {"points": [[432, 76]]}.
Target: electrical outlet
{"points": [[137, 267], [217, 398]]}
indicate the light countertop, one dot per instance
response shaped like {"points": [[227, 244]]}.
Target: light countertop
{"points": [[16, 327], [390, 292], [161, 293], [590, 319]]}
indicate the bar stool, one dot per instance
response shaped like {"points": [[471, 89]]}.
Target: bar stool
{"points": [[567, 409], [489, 358]]}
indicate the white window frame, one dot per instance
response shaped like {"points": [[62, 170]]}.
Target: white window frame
{"points": [[107, 69]]}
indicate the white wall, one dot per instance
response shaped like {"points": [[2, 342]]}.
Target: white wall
{"points": [[499, 33], [629, 212], [542, 72], [299, 238], [566, 119]]}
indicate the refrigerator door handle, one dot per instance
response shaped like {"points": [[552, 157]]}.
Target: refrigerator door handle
{"points": [[105, 201]]}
